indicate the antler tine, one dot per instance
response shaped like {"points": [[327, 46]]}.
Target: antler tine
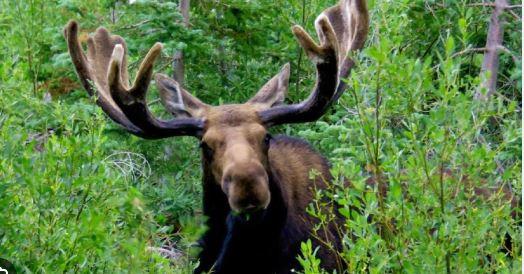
{"points": [[101, 73], [85, 74], [351, 40], [77, 55], [133, 101], [340, 29]]}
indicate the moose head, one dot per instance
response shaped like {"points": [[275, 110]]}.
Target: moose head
{"points": [[234, 138]]}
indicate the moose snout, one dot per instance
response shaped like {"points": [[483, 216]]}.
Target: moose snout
{"points": [[246, 187]]}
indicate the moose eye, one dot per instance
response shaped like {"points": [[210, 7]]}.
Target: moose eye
{"points": [[267, 139], [206, 149]]}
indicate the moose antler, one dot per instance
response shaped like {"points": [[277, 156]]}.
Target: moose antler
{"points": [[341, 28], [101, 73]]}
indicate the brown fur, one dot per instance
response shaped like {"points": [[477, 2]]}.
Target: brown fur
{"points": [[294, 161]]}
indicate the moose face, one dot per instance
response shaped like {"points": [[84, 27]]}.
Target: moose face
{"points": [[235, 144], [234, 139]]}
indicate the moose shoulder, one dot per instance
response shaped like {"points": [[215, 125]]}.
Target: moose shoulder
{"points": [[256, 187]]}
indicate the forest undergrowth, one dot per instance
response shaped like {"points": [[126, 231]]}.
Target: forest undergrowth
{"points": [[80, 195]]}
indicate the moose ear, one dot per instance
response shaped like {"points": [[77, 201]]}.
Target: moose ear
{"points": [[273, 92], [177, 100]]}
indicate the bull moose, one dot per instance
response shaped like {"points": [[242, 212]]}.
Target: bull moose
{"points": [[246, 171]]}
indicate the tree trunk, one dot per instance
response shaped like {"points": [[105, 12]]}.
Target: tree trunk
{"points": [[178, 58], [491, 57]]}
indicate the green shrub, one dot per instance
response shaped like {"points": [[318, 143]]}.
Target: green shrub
{"points": [[78, 194]]}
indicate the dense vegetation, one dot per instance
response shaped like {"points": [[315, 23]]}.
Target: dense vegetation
{"points": [[78, 194]]}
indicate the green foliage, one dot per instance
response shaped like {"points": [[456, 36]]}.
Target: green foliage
{"points": [[308, 260], [409, 120], [78, 194]]}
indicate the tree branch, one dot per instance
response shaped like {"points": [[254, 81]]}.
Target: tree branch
{"points": [[468, 50], [173, 255]]}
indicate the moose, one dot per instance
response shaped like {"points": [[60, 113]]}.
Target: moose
{"points": [[256, 187]]}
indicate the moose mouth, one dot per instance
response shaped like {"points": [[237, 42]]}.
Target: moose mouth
{"points": [[249, 217]]}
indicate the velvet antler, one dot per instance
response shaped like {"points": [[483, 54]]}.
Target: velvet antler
{"points": [[341, 29], [103, 73]]}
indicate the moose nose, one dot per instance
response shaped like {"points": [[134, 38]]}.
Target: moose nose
{"points": [[246, 187]]}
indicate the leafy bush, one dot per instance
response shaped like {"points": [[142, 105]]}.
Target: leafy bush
{"points": [[410, 121], [80, 195]]}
